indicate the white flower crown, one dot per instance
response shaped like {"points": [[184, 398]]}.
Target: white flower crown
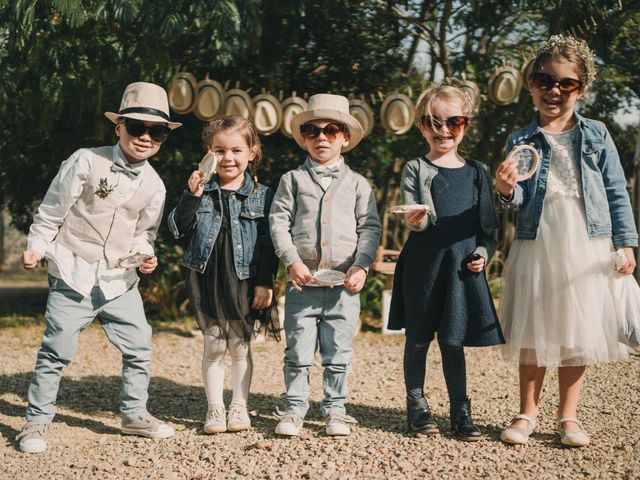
{"points": [[580, 47]]}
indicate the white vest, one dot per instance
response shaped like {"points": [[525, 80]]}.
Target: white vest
{"points": [[99, 228]]}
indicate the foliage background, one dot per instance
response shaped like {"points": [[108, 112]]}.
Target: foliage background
{"points": [[64, 62]]}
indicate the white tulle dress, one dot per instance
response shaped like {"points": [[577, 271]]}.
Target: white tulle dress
{"points": [[558, 305]]}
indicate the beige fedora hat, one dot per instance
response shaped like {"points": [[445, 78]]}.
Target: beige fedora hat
{"points": [[144, 101], [238, 102], [397, 113], [363, 113], [291, 107], [325, 106], [505, 85], [210, 99], [183, 90], [267, 113]]}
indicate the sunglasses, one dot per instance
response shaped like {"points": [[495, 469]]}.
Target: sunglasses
{"points": [[454, 124], [136, 128], [544, 81], [310, 131]]}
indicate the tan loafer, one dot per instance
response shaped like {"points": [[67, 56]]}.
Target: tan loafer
{"points": [[572, 438], [518, 436]]}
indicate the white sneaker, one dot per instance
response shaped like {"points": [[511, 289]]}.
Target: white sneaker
{"points": [[337, 424], [238, 418], [146, 425], [216, 421], [33, 437], [290, 424]]}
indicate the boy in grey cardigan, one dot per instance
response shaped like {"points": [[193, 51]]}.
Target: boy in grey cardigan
{"points": [[325, 228]]}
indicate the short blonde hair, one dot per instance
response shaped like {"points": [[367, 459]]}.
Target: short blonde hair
{"points": [[443, 93]]}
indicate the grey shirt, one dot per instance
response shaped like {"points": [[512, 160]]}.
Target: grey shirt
{"points": [[325, 229]]}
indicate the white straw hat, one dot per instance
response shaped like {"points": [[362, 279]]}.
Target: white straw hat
{"points": [[144, 101], [325, 106]]}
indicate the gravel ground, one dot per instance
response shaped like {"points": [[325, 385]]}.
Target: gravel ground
{"points": [[84, 440]]}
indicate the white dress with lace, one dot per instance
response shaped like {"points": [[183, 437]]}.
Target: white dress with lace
{"points": [[557, 306]]}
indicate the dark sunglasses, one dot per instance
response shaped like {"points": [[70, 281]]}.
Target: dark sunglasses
{"points": [[310, 131], [136, 128], [544, 81], [454, 124]]}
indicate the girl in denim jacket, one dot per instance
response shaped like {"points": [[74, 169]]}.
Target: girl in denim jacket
{"points": [[230, 261], [439, 283], [558, 308]]}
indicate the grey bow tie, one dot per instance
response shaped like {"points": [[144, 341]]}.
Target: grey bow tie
{"points": [[327, 172], [119, 165]]}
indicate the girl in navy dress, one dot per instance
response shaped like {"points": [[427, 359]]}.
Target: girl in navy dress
{"points": [[439, 285]]}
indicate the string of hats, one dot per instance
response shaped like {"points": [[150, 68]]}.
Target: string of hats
{"points": [[208, 98]]}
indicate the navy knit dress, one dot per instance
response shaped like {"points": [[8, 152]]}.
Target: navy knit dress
{"points": [[433, 290]]}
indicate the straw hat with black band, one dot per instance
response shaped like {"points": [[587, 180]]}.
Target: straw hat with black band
{"points": [[144, 101], [325, 106]]}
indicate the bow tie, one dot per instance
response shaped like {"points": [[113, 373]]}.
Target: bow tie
{"points": [[119, 165], [327, 172]]}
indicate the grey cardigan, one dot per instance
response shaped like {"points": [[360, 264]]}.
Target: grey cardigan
{"points": [[335, 229]]}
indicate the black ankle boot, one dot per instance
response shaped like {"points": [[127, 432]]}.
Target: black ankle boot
{"points": [[462, 425], [419, 416]]}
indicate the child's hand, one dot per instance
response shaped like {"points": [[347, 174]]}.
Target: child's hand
{"points": [[630, 266], [507, 177], [149, 265], [354, 281], [300, 275], [195, 183], [415, 217], [262, 297], [476, 264], [30, 259]]}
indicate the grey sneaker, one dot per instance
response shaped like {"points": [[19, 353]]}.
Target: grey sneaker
{"points": [[33, 437], [146, 425], [238, 418], [337, 424], [216, 421], [290, 424]]}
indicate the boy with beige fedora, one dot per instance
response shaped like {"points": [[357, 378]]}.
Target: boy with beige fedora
{"points": [[97, 222], [325, 228]]}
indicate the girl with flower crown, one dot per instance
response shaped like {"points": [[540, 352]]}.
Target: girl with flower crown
{"points": [[558, 307]]}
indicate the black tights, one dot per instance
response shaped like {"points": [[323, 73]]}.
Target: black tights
{"points": [[453, 367]]}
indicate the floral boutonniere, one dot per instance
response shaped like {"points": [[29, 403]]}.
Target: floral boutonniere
{"points": [[104, 189]]}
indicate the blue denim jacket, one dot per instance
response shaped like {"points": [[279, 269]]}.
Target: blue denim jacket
{"points": [[606, 201], [249, 226]]}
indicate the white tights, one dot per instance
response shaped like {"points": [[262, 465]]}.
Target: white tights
{"points": [[213, 369]]}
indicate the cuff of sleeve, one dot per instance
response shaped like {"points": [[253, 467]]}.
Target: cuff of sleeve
{"points": [[143, 248], [37, 245], [363, 261], [504, 199], [482, 251], [290, 257]]}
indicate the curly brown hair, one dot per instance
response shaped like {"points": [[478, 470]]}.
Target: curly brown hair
{"points": [[245, 128]]}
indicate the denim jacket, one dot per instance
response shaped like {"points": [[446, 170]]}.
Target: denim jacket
{"points": [[249, 226], [606, 201], [417, 176]]}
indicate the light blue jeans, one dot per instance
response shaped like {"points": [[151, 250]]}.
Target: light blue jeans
{"points": [[323, 318], [67, 314]]}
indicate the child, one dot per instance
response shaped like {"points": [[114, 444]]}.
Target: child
{"points": [[324, 217], [103, 204], [557, 308], [230, 262], [439, 284]]}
